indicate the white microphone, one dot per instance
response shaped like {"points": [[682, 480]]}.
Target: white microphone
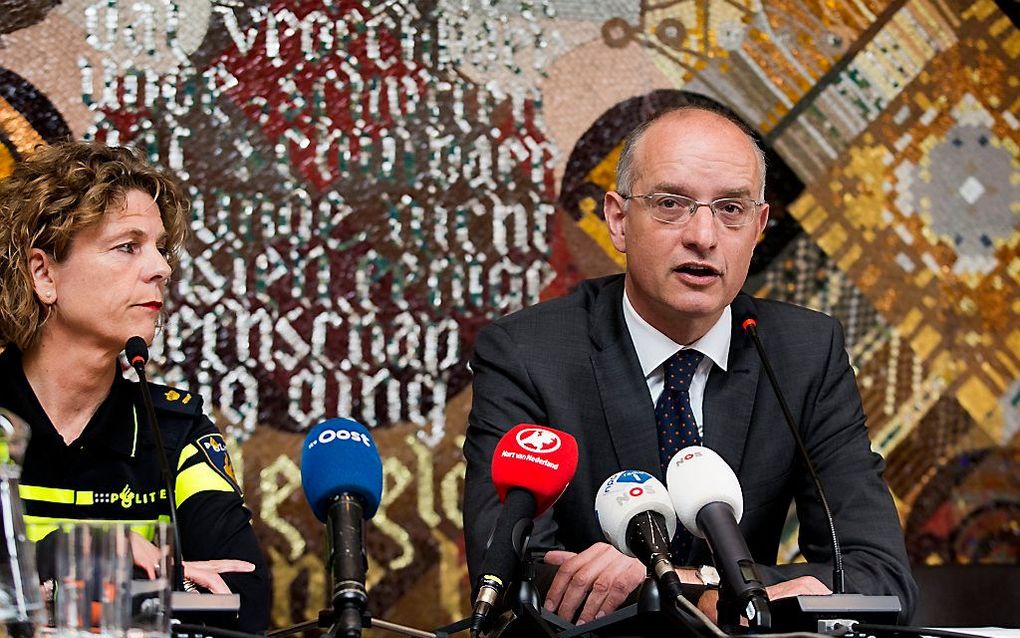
{"points": [[707, 498], [697, 476], [634, 510]]}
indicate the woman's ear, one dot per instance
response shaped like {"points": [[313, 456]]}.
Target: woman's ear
{"points": [[40, 264]]}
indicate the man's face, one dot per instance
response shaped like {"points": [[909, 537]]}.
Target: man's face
{"points": [[681, 277]]}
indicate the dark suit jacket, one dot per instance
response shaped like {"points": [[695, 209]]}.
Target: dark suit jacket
{"points": [[570, 364]]}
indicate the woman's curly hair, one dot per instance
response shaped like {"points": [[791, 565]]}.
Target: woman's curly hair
{"points": [[54, 194]]}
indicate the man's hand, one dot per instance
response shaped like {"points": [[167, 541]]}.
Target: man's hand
{"points": [[204, 573], [601, 573], [808, 585], [801, 585]]}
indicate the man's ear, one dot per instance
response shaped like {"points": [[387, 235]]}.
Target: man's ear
{"points": [[614, 207], [763, 220], [40, 264]]}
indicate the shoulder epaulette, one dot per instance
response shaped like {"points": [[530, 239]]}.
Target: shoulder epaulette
{"points": [[174, 400]]}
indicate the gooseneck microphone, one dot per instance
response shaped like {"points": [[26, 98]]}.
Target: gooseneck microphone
{"points": [[708, 501], [743, 308], [137, 353], [637, 517], [341, 474], [531, 467]]}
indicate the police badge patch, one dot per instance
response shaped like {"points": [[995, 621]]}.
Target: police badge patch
{"points": [[215, 450]]}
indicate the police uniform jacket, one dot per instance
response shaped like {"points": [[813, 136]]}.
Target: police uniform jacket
{"points": [[112, 472]]}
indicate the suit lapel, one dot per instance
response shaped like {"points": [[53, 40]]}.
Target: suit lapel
{"points": [[729, 399], [630, 415]]}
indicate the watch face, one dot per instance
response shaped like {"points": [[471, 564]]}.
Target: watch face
{"points": [[709, 575]]}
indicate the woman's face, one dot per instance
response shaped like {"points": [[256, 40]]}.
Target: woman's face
{"points": [[110, 286]]}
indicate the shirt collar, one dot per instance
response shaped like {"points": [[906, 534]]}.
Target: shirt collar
{"points": [[121, 420], [653, 347]]}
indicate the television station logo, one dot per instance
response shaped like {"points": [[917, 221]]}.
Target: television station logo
{"points": [[539, 440], [629, 483]]}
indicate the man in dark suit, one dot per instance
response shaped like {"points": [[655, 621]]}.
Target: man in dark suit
{"points": [[594, 363]]}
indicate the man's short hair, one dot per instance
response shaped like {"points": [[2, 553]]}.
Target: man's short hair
{"points": [[625, 170], [49, 198]]}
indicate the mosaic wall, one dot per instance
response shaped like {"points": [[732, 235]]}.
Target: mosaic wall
{"points": [[373, 182]]}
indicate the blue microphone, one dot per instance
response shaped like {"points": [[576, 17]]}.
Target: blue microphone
{"points": [[341, 474]]}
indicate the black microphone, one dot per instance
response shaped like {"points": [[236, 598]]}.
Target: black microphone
{"points": [[342, 477], [137, 355], [347, 562], [743, 308]]}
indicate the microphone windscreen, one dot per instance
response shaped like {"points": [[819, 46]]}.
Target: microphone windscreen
{"points": [[535, 458], [623, 496], [743, 311], [340, 457], [698, 476], [136, 351]]}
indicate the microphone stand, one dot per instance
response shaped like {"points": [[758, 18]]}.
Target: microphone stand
{"points": [[326, 621], [348, 615], [651, 615], [528, 616], [138, 354], [838, 580], [812, 612]]}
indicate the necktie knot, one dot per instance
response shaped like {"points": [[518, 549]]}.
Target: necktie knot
{"points": [[679, 369]]}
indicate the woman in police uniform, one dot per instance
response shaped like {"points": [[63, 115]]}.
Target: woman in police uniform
{"points": [[88, 235]]}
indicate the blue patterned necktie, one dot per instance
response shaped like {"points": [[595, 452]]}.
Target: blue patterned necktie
{"points": [[676, 425]]}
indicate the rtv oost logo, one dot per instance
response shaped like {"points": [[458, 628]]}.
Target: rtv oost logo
{"points": [[329, 435]]}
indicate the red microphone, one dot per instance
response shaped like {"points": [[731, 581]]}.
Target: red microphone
{"points": [[531, 467], [537, 459]]}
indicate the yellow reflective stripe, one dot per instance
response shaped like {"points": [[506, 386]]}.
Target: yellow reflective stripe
{"points": [[56, 495], [199, 478], [186, 454], [38, 527], [47, 494]]}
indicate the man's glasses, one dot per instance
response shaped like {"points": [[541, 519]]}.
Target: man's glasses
{"points": [[668, 208]]}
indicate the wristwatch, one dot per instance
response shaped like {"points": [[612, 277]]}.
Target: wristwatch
{"points": [[709, 576]]}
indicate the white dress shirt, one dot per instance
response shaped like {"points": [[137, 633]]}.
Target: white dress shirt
{"points": [[653, 348]]}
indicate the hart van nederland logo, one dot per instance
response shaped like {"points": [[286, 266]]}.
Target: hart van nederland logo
{"points": [[539, 440]]}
